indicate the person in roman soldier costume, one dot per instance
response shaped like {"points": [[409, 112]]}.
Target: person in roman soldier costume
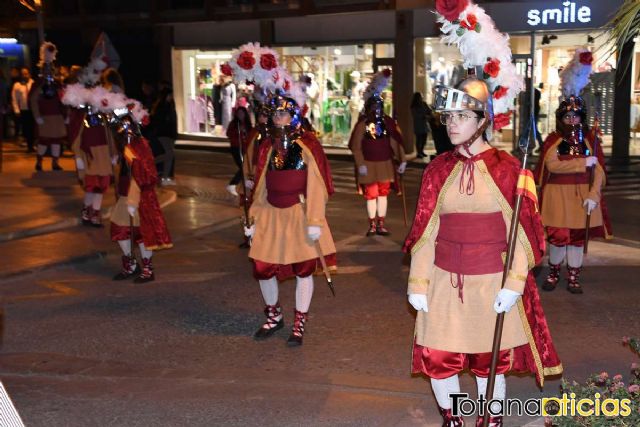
{"points": [[93, 146], [48, 110], [460, 231], [376, 143], [290, 163], [136, 217], [571, 172]]}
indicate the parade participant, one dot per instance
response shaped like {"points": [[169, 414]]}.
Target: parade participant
{"points": [[136, 216], [571, 172], [93, 146], [48, 110], [376, 143], [290, 163], [257, 135], [459, 236]]}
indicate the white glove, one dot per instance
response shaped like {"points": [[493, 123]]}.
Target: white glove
{"points": [[402, 167], [39, 121], [591, 161], [132, 210], [114, 160], [589, 205], [250, 231], [79, 163], [314, 232], [505, 299], [362, 170], [419, 302], [249, 184]]}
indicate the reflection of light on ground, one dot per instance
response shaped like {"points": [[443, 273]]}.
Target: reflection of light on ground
{"points": [[603, 253]]}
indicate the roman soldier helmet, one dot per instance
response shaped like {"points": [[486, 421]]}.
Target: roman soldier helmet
{"points": [[573, 79], [493, 81], [374, 104]]}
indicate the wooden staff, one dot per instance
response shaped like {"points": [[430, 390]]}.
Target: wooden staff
{"points": [[325, 269], [513, 237], [592, 175]]}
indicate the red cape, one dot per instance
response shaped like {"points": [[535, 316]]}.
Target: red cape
{"points": [[539, 356], [310, 141], [153, 226], [541, 174]]}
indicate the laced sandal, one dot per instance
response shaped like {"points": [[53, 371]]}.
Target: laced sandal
{"points": [[573, 277], [295, 339], [372, 228], [275, 322], [130, 268], [553, 277], [147, 272], [448, 420], [381, 230]]}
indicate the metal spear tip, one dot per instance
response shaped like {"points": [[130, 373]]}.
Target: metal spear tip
{"points": [[330, 283]]}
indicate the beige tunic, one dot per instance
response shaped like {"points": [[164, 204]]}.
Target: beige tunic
{"points": [[376, 171], [120, 214], [53, 126], [450, 324], [563, 204], [100, 162], [281, 234]]}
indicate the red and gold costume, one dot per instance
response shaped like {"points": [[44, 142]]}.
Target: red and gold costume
{"points": [[564, 182], [457, 243], [280, 245], [149, 225]]}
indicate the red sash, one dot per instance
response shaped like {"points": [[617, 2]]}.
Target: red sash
{"points": [[285, 186]]}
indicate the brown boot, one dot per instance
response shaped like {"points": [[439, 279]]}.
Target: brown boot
{"points": [[380, 228], [448, 420], [96, 218], [39, 163], [55, 165], [275, 322], [147, 272], [295, 339], [553, 277], [573, 280]]}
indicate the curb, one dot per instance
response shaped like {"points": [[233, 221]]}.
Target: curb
{"points": [[67, 223], [80, 259]]}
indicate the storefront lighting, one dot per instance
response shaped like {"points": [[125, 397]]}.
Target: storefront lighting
{"points": [[428, 49], [213, 56], [8, 40], [368, 51], [337, 52]]}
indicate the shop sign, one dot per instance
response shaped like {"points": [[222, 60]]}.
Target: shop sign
{"points": [[569, 13]]}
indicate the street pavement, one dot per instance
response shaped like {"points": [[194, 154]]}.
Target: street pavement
{"points": [[82, 350]]}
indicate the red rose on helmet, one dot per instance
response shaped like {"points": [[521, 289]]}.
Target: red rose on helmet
{"points": [[500, 92], [470, 22], [145, 120], [246, 61], [586, 58], [226, 69], [501, 120], [287, 85], [386, 72], [104, 102], [268, 61], [492, 67], [451, 9]]}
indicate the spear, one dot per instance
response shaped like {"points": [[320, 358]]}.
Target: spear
{"points": [[513, 232], [592, 175], [325, 269], [246, 221]]}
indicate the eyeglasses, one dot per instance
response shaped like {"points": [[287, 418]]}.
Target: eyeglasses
{"points": [[447, 118]]}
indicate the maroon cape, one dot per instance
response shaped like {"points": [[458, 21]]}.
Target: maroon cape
{"points": [[541, 174], [310, 141], [153, 227], [539, 356]]}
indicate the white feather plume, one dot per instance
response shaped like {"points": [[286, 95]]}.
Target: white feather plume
{"points": [[480, 44], [575, 75], [378, 84]]}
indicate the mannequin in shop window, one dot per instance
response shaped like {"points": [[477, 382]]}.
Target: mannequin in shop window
{"points": [[227, 102]]}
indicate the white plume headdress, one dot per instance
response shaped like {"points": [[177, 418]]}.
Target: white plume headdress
{"points": [[575, 75], [378, 84], [483, 46], [48, 52]]}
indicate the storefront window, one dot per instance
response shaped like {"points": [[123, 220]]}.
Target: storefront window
{"points": [[339, 76]]}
